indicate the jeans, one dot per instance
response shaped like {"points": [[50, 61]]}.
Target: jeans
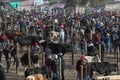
{"points": [[83, 51], [108, 48], [87, 77], [8, 64], [4, 44], [75, 46]]}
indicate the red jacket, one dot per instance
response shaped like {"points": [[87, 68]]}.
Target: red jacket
{"points": [[4, 37]]}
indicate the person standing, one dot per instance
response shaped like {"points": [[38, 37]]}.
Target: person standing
{"points": [[4, 39], [48, 51], [107, 41], [36, 48], [54, 66], [63, 65], [48, 64], [86, 68], [62, 36], [75, 40], [7, 53], [2, 75], [82, 46]]}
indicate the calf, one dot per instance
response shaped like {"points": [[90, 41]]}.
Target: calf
{"points": [[36, 77], [103, 67]]}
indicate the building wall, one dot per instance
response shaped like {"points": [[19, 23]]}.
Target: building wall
{"points": [[28, 4]]}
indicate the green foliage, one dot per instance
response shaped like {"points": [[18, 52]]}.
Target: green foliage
{"points": [[97, 2], [84, 2]]}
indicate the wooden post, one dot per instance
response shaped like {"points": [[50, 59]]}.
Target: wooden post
{"points": [[90, 34], [118, 61], [86, 47], [17, 58], [60, 68], [99, 50], [81, 72], [72, 54], [72, 45], [43, 58], [42, 34], [29, 60], [54, 25]]}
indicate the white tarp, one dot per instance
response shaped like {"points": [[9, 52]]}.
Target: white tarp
{"points": [[112, 7], [38, 2]]}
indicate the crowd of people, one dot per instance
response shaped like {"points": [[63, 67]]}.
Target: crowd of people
{"points": [[81, 30]]}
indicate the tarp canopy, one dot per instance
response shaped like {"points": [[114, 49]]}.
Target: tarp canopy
{"points": [[112, 7], [60, 6], [16, 5]]}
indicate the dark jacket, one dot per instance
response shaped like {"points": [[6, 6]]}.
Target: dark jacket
{"points": [[86, 67], [2, 75]]}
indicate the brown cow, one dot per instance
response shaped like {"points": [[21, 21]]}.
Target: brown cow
{"points": [[11, 34], [36, 77]]}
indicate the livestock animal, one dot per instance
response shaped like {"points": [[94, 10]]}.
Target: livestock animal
{"points": [[56, 47], [11, 34], [37, 70], [103, 68], [54, 35], [36, 77], [34, 59], [27, 41]]}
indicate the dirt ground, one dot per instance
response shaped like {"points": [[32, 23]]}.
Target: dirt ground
{"points": [[70, 71]]}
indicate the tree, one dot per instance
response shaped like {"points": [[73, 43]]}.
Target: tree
{"points": [[95, 3]]}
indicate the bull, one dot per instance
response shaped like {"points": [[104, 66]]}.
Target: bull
{"points": [[26, 41], [103, 68], [37, 70], [55, 47]]}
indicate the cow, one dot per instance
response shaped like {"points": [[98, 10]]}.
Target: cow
{"points": [[54, 35], [37, 70], [103, 68], [26, 41], [12, 34], [55, 47], [36, 77], [34, 59]]}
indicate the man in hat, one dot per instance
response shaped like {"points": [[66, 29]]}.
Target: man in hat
{"points": [[36, 48], [86, 68], [63, 65]]}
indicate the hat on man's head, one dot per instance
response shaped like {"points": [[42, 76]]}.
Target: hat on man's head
{"points": [[60, 54], [55, 56], [82, 57], [35, 43]]}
